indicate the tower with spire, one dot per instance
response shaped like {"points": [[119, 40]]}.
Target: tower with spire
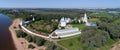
{"points": [[33, 19], [85, 19]]}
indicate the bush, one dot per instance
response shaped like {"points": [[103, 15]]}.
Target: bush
{"points": [[39, 41], [29, 38], [31, 46], [51, 46], [70, 44], [20, 33]]}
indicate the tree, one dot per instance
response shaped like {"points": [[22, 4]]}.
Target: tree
{"points": [[29, 38], [51, 46], [31, 46], [20, 33], [39, 41], [113, 30], [93, 37]]}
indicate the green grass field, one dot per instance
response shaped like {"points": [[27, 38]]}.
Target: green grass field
{"points": [[116, 21], [80, 26], [101, 15], [93, 20], [72, 44], [108, 45], [76, 44]]}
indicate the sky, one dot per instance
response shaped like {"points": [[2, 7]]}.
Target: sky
{"points": [[59, 3]]}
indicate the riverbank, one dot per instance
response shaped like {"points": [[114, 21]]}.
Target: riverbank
{"points": [[16, 42], [21, 43]]}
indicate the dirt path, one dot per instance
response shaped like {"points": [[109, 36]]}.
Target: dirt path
{"points": [[116, 46]]}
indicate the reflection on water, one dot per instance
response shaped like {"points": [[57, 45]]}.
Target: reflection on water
{"points": [[6, 42]]}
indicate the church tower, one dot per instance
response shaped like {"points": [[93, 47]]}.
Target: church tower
{"points": [[85, 18], [33, 19]]}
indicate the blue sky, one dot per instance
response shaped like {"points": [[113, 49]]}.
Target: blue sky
{"points": [[60, 3]]}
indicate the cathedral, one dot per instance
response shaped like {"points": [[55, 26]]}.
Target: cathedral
{"points": [[85, 19], [64, 21]]}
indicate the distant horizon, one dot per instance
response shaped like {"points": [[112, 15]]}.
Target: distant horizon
{"points": [[78, 4], [56, 8]]}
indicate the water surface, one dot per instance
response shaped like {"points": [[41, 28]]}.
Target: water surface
{"points": [[6, 42]]}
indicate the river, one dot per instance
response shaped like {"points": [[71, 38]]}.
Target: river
{"points": [[6, 42]]}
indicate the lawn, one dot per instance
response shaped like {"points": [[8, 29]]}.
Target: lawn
{"points": [[43, 26], [108, 45], [93, 19], [101, 15], [116, 21], [72, 44], [76, 44], [80, 26]]}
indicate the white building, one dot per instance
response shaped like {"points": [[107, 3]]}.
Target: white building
{"points": [[64, 21], [67, 20], [79, 20], [67, 32], [85, 19], [33, 19]]}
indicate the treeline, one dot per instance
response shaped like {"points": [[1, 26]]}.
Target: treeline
{"points": [[93, 37], [100, 35], [113, 30], [44, 26], [105, 17], [43, 14], [37, 40]]}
